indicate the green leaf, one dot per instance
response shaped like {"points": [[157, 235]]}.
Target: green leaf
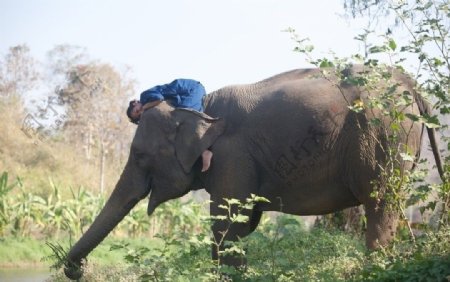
{"points": [[392, 44], [428, 5], [395, 126], [239, 218], [218, 217], [375, 122], [437, 62], [407, 157], [233, 201], [444, 110], [430, 121], [413, 117], [222, 207], [255, 198], [325, 63], [207, 241], [431, 205], [377, 49], [261, 199], [233, 250], [422, 57], [371, 62], [309, 48]]}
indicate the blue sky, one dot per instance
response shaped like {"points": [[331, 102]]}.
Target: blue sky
{"points": [[215, 41]]}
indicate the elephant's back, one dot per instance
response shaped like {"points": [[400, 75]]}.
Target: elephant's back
{"points": [[298, 95], [307, 90]]}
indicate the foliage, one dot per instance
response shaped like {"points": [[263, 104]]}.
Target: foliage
{"points": [[281, 249], [286, 251], [59, 255], [427, 260], [5, 188], [36, 161], [428, 26], [25, 213], [94, 95], [72, 94]]}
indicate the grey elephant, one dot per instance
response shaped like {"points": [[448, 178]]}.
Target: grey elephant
{"points": [[290, 138]]}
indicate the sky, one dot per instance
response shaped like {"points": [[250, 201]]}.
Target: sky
{"points": [[217, 42]]}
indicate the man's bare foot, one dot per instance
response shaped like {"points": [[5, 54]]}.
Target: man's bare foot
{"points": [[206, 157]]}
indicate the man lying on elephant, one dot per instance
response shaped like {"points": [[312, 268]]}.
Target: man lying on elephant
{"points": [[180, 93]]}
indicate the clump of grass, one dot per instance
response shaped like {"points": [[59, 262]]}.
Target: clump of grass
{"points": [[58, 256]]}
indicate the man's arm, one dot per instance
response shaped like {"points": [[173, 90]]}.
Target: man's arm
{"points": [[151, 95]]}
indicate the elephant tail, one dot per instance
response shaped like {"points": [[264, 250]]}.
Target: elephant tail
{"points": [[424, 109]]}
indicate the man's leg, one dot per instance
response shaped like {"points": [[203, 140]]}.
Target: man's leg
{"points": [[206, 157]]}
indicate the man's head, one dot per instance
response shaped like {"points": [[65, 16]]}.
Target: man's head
{"points": [[134, 111]]}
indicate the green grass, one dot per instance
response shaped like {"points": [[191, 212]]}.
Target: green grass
{"points": [[16, 252], [23, 252]]}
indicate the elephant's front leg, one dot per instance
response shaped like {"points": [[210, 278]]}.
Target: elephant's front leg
{"points": [[228, 228], [381, 224], [232, 176]]}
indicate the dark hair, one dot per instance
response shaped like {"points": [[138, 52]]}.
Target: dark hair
{"points": [[130, 109]]}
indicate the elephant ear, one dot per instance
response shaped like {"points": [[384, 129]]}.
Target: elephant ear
{"points": [[196, 132]]}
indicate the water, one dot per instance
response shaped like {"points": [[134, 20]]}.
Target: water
{"points": [[24, 274]]}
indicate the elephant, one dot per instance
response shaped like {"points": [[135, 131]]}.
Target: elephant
{"points": [[292, 139]]}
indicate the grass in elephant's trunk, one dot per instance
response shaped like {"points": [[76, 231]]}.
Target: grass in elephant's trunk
{"points": [[59, 257], [104, 262]]}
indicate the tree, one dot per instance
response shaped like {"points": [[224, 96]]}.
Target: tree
{"points": [[96, 96], [425, 55], [18, 72], [62, 58], [427, 26]]}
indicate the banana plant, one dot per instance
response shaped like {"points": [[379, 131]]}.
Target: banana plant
{"points": [[5, 201]]}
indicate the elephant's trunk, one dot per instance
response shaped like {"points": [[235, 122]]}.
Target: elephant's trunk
{"points": [[126, 195]]}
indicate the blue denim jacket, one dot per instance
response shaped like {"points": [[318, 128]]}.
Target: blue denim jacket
{"points": [[180, 93]]}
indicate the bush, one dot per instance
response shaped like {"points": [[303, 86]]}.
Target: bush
{"points": [[426, 260]]}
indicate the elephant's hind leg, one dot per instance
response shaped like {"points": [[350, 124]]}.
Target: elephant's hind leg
{"points": [[381, 224], [254, 220]]}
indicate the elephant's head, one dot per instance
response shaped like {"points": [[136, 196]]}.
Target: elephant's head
{"points": [[167, 144], [164, 150]]}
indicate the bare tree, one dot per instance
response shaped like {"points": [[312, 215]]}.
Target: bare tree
{"points": [[96, 96], [18, 73]]}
